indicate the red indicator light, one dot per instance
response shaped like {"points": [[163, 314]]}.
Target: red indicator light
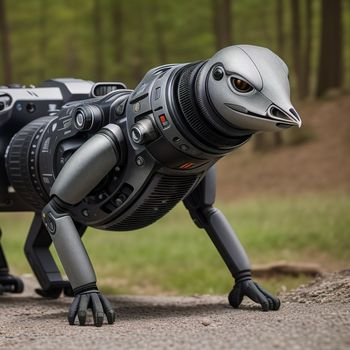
{"points": [[163, 120]]}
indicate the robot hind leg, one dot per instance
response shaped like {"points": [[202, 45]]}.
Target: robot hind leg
{"points": [[200, 205], [8, 282]]}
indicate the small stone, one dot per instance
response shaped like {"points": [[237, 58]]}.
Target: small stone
{"points": [[206, 322]]}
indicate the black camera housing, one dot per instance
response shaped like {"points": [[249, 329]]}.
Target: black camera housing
{"points": [[20, 105]]}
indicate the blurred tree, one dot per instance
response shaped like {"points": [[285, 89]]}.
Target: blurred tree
{"points": [[277, 136], [138, 57], [99, 66], [222, 20], [43, 11], [279, 27], [296, 45], [117, 12], [306, 66], [260, 142], [5, 44], [330, 70], [159, 32], [119, 39]]}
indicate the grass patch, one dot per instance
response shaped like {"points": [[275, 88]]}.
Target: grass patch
{"points": [[173, 256]]}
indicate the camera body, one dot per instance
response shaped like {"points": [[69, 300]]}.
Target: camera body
{"points": [[20, 105]]}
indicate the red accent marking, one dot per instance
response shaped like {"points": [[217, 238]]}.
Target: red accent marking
{"points": [[186, 166], [162, 118]]}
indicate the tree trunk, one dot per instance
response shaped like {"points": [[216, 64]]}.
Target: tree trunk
{"points": [[306, 67], [279, 27], [277, 136], [137, 61], [5, 44], [159, 32], [118, 36], [222, 22], [330, 71], [296, 47], [43, 38], [277, 139], [98, 41], [71, 56], [226, 21], [261, 142]]}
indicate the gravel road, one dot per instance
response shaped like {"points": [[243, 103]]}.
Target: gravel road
{"points": [[309, 319]]}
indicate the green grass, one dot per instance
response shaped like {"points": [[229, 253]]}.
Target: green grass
{"points": [[173, 256]]}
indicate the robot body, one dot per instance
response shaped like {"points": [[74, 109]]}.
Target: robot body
{"points": [[119, 160]]}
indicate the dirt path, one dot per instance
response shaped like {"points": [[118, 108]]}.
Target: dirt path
{"points": [[309, 319]]}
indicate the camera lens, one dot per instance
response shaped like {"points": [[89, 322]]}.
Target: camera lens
{"points": [[30, 107], [79, 119], [136, 135], [5, 101], [143, 131], [218, 73], [87, 117]]}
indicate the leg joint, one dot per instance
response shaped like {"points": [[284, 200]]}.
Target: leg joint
{"points": [[201, 215]]}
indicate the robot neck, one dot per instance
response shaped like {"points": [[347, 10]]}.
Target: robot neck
{"points": [[197, 115]]}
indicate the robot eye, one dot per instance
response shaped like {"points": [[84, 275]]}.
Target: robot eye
{"points": [[241, 85]]}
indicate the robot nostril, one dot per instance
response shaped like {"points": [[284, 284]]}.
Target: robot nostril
{"points": [[294, 112], [275, 112]]}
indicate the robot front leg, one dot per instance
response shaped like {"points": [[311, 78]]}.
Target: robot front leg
{"points": [[40, 259], [200, 205], [82, 172], [77, 266]]}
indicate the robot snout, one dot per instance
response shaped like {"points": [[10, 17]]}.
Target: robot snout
{"points": [[291, 117]]}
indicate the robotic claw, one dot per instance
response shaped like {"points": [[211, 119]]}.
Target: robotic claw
{"points": [[122, 160]]}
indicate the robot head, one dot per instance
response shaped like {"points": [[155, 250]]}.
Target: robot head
{"points": [[248, 86]]}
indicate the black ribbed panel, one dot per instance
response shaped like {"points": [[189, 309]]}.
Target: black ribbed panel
{"points": [[166, 192], [197, 122], [19, 161]]}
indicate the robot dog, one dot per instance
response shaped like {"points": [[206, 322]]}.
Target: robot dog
{"points": [[81, 154]]}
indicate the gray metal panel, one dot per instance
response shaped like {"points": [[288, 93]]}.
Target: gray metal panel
{"points": [[72, 253], [265, 72], [85, 169]]}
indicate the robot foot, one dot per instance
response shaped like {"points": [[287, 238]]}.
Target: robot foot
{"points": [[95, 301], [10, 284], [253, 291], [55, 291]]}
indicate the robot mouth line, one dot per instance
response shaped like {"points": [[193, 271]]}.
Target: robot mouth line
{"points": [[266, 116], [290, 121]]}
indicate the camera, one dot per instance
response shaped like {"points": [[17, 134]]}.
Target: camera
{"points": [[21, 105]]}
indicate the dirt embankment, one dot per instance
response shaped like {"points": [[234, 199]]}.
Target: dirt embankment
{"points": [[321, 164], [324, 289]]}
